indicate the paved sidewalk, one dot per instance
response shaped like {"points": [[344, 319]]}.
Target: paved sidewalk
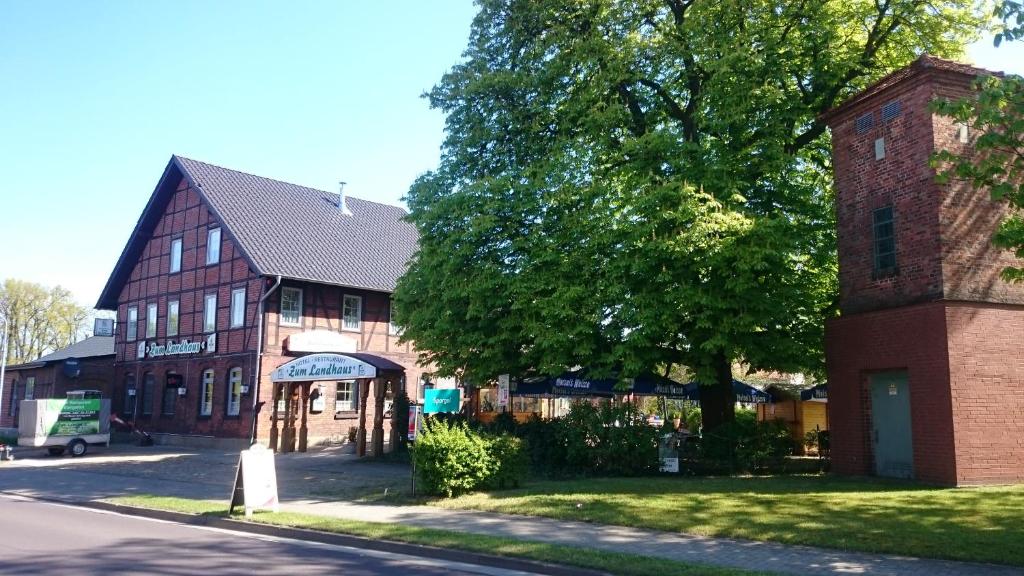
{"points": [[305, 479]]}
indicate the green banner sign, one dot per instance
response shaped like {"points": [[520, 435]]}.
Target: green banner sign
{"points": [[74, 417]]}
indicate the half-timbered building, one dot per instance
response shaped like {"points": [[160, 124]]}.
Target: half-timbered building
{"points": [[229, 277]]}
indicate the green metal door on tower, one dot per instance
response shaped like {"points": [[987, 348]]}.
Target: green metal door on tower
{"points": [[890, 420]]}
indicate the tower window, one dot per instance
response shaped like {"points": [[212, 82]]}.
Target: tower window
{"points": [[884, 242]]}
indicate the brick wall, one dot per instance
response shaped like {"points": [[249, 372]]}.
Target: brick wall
{"points": [[50, 382], [901, 179], [968, 218], [943, 232], [986, 370], [911, 338], [188, 218], [322, 310]]}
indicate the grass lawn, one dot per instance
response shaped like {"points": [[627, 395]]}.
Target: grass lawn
{"points": [[613, 563], [977, 524]]}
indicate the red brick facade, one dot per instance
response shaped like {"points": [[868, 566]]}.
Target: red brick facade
{"points": [[188, 218], [943, 315]]}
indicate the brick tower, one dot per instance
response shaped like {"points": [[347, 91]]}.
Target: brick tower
{"points": [[926, 361]]}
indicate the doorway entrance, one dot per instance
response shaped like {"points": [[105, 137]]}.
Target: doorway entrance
{"points": [[891, 437], [291, 384]]}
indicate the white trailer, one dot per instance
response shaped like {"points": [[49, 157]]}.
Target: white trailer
{"points": [[71, 424]]}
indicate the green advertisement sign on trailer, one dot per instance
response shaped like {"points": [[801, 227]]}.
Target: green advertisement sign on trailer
{"points": [[74, 417]]}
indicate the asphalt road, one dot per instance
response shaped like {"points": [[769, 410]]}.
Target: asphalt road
{"points": [[47, 538]]}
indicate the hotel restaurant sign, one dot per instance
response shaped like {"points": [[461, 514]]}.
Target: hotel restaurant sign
{"points": [[172, 348], [323, 367]]}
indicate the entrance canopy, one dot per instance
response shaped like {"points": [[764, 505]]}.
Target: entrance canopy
{"points": [[348, 366]]}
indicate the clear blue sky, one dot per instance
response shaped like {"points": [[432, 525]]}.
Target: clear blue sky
{"points": [[96, 96]]}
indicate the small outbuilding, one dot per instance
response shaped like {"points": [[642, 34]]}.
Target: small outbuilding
{"points": [[84, 365]]}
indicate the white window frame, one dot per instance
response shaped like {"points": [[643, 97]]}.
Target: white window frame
{"points": [[393, 329], [234, 400], [209, 313], [344, 313], [152, 311], [352, 393], [206, 392], [213, 246], [173, 314], [132, 326], [175, 255], [238, 307], [298, 300], [30, 388]]}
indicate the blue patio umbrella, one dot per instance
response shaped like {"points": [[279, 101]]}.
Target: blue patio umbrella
{"points": [[745, 393], [817, 394]]}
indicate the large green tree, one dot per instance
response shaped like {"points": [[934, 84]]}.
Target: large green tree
{"points": [[631, 184], [996, 161], [38, 319]]}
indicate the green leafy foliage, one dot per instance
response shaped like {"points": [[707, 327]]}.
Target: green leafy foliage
{"points": [[400, 419], [1011, 13], [996, 162], [746, 445], [39, 319], [603, 440], [640, 184], [452, 459], [511, 462]]}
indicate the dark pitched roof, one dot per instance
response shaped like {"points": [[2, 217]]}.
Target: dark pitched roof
{"points": [[91, 347], [285, 229]]}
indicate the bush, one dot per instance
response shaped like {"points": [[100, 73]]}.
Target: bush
{"points": [[746, 445], [503, 423], [452, 459], [547, 444], [449, 459], [601, 440], [510, 461]]}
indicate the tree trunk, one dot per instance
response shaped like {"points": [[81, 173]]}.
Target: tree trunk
{"points": [[717, 400]]}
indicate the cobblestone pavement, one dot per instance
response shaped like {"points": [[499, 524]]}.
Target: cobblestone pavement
{"points": [[330, 482]]}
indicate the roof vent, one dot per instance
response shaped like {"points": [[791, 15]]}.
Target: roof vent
{"points": [[342, 201], [864, 123], [891, 110]]}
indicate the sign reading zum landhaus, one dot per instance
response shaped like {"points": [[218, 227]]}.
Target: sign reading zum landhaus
{"points": [[323, 367], [185, 346]]}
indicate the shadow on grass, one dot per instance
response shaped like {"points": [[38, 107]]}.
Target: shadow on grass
{"points": [[872, 515]]}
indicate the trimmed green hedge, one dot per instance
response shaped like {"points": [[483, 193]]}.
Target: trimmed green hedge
{"points": [[451, 459]]}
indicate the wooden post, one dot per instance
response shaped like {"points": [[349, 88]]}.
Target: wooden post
{"points": [[364, 393], [303, 430], [380, 387], [275, 395], [288, 431]]}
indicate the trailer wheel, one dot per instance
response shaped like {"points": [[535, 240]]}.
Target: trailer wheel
{"points": [[77, 447], [55, 450]]}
